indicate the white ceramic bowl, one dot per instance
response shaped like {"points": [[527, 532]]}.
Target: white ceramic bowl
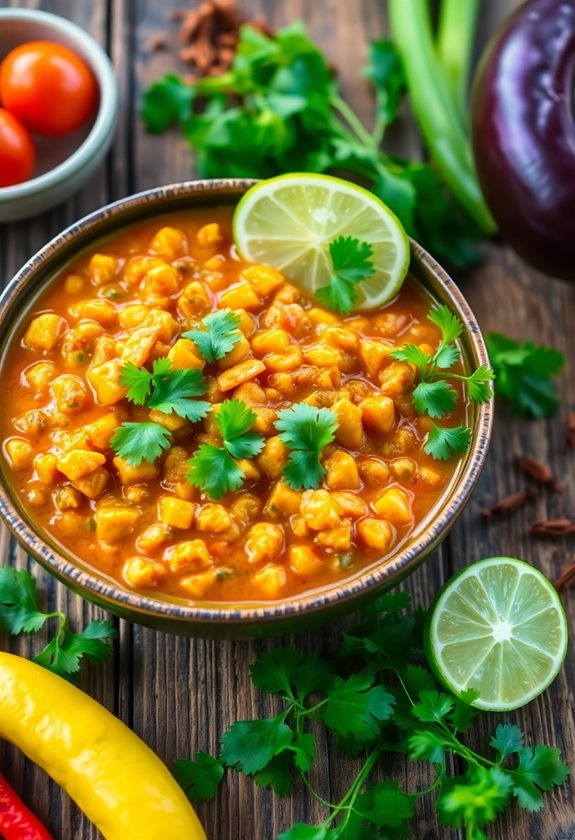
{"points": [[67, 162]]}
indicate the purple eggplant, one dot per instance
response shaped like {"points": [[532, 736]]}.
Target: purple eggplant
{"points": [[523, 133]]}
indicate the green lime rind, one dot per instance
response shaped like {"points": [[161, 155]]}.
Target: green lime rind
{"points": [[288, 222], [498, 626]]}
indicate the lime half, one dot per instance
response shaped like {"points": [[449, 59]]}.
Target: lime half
{"points": [[288, 222], [498, 627]]}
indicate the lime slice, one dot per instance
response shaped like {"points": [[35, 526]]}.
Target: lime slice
{"points": [[288, 222], [498, 627]]}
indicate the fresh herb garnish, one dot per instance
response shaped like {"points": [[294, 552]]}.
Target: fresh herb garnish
{"points": [[377, 696], [167, 390], [305, 430], [279, 109], [20, 613], [434, 395], [524, 373], [213, 468], [164, 389], [220, 335], [351, 264]]}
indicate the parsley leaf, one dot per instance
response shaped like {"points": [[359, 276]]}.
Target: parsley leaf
{"points": [[305, 430], [355, 706], [199, 778], [213, 468], [302, 831], [433, 706], [386, 805], [220, 335], [351, 264], [166, 390], [250, 745], [19, 612], [436, 398], [508, 739], [524, 374], [278, 774], [477, 800], [443, 443], [137, 442], [449, 324]]}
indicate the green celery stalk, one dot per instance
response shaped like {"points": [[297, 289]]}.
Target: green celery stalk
{"points": [[435, 111], [454, 45]]}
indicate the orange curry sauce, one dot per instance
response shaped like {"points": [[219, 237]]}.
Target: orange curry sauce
{"points": [[146, 526]]}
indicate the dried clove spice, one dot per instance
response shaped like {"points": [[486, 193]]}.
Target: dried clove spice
{"points": [[567, 577], [539, 472], [509, 503], [552, 528]]}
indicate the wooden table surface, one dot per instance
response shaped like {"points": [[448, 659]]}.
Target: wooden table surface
{"points": [[179, 695]]}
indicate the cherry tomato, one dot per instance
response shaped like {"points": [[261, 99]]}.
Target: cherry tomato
{"points": [[48, 87], [17, 152]]}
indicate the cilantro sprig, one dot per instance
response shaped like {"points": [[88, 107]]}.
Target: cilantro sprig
{"points": [[305, 430], [434, 395], [20, 613], [219, 335], [377, 695], [351, 264], [524, 374], [214, 469], [162, 389]]}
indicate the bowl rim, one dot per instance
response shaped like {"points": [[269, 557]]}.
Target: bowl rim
{"points": [[106, 116], [105, 592]]}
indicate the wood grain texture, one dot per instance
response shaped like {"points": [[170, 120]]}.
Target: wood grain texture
{"points": [[179, 694]]}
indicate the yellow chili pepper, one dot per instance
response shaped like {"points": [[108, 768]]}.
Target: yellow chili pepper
{"points": [[119, 783]]}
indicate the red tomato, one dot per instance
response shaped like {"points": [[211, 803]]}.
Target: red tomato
{"points": [[17, 152], [48, 87]]}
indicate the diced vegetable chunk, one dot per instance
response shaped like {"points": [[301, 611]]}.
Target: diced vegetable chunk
{"points": [[395, 505], [264, 542], [44, 331], [115, 522]]}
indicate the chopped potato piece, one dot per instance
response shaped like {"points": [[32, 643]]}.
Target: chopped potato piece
{"points": [[138, 345], [133, 315], [130, 474], [194, 300], [322, 316], [105, 349], [184, 354], [304, 561], [430, 478], [163, 322], [66, 497], [320, 510], [93, 484], [143, 572], [155, 536], [298, 526], [249, 469], [169, 242], [240, 296], [270, 580], [374, 355], [274, 340], [105, 380], [341, 471], [378, 414], [374, 471], [324, 356], [190, 556], [102, 269], [265, 420], [402, 442], [172, 422], [176, 513], [20, 453], [338, 538], [396, 379], [32, 424], [263, 278], [80, 462], [246, 507], [341, 337], [70, 393], [41, 375], [160, 280], [394, 505], [239, 352], [46, 467], [283, 501], [375, 533], [349, 430], [209, 234], [273, 457], [100, 432], [240, 373], [264, 542], [196, 586], [74, 284], [115, 522], [44, 331], [95, 309], [213, 518], [350, 503], [284, 361]]}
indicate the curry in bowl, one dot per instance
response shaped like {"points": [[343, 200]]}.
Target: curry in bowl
{"points": [[118, 479]]}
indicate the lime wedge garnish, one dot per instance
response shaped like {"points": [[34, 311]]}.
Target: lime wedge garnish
{"points": [[288, 222], [498, 627]]}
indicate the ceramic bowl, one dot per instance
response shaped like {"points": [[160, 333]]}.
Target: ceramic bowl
{"points": [[213, 620], [65, 163]]}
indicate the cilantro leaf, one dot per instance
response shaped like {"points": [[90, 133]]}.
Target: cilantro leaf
{"points": [[250, 745], [220, 335], [436, 398], [542, 766], [302, 831], [433, 706], [386, 805], [137, 442], [63, 653], [449, 324], [523, 374], [305, 430], [303, 748], [508, 739], [479, 384], [199, 778], [413, 355], [137, 381], [351, 264], [427, 745], [173, 391], [213, 470], [166, 101], [444, 443], [276, 670], [19, 610], [386, 72], [356, 707], [234, 420], [477, 800], [446, 355], [464, 713], [278, 774]]}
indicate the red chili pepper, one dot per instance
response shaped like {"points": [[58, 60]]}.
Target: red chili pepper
{"points": [[16, 821]]}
